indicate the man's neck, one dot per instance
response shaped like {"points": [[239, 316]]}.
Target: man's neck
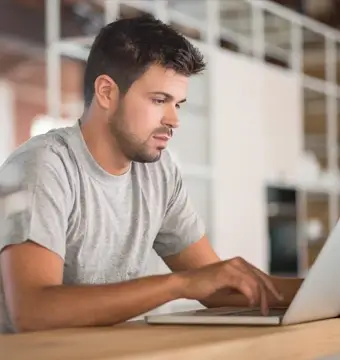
{"points": [[102, 149]]}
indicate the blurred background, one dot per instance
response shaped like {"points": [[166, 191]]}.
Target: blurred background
{"points": [[259, 138]]}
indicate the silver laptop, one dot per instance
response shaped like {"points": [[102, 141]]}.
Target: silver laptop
{"points": [[318, 298]]}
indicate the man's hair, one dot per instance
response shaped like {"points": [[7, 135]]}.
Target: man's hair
{"points": [[126, 48]]}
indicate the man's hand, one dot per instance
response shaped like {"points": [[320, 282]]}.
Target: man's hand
{"points": [[232, 275], [201, 254]]}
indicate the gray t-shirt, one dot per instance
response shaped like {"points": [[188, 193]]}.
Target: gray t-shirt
{"points": [[103, 226]]}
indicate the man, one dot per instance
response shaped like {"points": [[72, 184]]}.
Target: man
{"points": [[104, 193]]}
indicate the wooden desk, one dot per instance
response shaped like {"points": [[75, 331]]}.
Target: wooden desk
{"points": [[137, 341]]}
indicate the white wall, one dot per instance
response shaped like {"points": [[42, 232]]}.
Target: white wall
{"points": [[239, 199], [7, 133], [256, 132], [283, 108]]}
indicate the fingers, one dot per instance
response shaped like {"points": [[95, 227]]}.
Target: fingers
{"points": [[268, 283], [258, 284], [264, 277], [255, 292], [246, 282], [259, 292]]}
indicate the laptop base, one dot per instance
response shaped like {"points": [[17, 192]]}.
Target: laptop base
{"points": [[219, 316]]}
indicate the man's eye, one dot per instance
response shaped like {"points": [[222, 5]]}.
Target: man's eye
{"points": [[158, 101]]}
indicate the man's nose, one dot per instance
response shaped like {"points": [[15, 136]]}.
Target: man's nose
{"points": [[171, 118]]}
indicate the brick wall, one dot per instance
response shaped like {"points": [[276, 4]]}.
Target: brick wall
{"points": [[30, 94]]}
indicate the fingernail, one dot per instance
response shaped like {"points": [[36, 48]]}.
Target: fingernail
{"points": [[281, 297]]}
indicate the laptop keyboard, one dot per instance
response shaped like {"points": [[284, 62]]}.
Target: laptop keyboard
{"points": [[239, 312], [272, 312]]}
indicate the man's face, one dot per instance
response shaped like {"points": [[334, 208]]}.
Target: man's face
{"points": [[148, 113]]}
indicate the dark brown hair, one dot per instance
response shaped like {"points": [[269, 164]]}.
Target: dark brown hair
{"points": [[124, 49]]}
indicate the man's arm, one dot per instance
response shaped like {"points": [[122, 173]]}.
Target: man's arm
{"points": [[201, 253], [37, 300]]}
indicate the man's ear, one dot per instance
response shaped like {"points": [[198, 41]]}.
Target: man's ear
{"points": [[106, 92]]}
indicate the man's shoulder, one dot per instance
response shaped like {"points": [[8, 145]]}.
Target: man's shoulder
{"points": [[49, 150]]}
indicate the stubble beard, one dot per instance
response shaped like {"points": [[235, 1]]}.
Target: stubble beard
{"points": [[128, 144]]}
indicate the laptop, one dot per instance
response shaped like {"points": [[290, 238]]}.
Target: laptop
{"points": [[318, 298]]}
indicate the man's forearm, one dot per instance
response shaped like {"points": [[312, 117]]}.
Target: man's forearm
{"points": [[95, 305]]}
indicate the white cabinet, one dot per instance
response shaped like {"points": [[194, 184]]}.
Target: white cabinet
{"points": [[284, 132], [256, 125], [238, 206]]}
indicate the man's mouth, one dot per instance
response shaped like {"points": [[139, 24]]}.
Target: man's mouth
{"points": [[165, 135], [162, 137]]}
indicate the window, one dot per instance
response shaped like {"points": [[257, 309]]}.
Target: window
{"points": [[44, 123]]}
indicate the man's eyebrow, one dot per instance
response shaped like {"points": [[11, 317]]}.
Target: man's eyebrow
{"points": [[167, 96]]}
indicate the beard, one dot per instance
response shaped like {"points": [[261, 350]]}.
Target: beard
{"points": [[129, 144]]}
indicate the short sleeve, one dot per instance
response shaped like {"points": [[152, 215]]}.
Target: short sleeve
{"points": [[181, 225], [37, 207]]}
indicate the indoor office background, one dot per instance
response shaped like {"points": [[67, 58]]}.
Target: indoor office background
{"points": [[258, 141]]}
